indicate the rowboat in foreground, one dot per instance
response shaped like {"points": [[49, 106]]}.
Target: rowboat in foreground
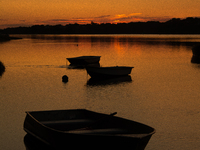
{"points": [[81, 128], [83, 60], [108, 72]]}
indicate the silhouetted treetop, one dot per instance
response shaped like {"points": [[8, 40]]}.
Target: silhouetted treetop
{"points": [[174, 26]]}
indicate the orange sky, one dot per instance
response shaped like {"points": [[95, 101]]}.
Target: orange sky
{"points": [[30, 12]]}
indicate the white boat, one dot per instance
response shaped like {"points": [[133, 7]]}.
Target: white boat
{"points": [[84, 60], [107, 72]]}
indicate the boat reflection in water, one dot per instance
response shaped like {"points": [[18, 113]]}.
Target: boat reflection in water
{"points": [[32, 143], [109, 81]]}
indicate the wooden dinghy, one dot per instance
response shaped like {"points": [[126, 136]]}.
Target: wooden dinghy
{"points": [[108, 72], [80, 128], [84, 60]]}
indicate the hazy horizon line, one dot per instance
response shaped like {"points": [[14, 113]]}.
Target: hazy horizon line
{"points": [[134, 17]]}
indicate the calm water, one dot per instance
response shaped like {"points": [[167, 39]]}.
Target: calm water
{"points": [[164, 91]]}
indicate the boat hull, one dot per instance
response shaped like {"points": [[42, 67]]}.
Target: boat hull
{"points": [[109, 81], [62, 138], [84, 60], [108, 72]]}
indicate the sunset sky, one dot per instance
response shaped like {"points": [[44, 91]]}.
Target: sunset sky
{"points": [[15, 13]]}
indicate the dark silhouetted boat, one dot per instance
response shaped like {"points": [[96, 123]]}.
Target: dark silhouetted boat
{"points": [[108, 81], [108, 72], [196, 54], [80, 128], [82, 66], [2, 68], [84, 60]]}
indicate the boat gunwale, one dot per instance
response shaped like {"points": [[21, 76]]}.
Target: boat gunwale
{"points": [[109, 72], [111, 67], [83, 57], [67, 132]]}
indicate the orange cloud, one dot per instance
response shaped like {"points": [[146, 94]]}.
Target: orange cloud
{"points": [[125, 18]]}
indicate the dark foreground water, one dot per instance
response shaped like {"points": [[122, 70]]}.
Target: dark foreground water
{"points": [[163, 92]]}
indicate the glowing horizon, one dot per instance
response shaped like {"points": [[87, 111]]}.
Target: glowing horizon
{"points": [[119, 18], [27, 13]]}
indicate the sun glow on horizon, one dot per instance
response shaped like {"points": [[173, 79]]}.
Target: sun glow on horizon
{"points": [[15, 13], [113, 19], [118, 18]]}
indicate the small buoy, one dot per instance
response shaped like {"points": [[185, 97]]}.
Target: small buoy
{"points": [[65, 78]]}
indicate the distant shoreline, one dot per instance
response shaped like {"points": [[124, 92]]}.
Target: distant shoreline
{"points": [[6, 37], [174, 26]]}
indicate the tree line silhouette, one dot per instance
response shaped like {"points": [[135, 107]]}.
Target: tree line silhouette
{"points": [[189, 25]]}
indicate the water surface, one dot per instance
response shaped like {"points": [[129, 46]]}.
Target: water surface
{"points": [[162, 90]]}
